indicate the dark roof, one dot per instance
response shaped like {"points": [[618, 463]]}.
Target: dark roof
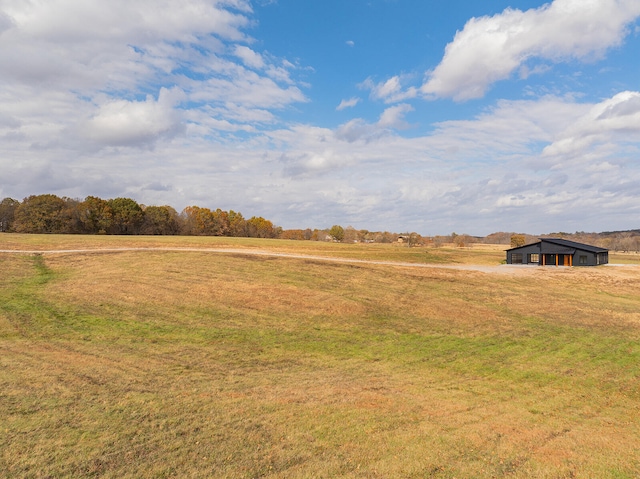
{"points": [[573, 244], [566, 244]]}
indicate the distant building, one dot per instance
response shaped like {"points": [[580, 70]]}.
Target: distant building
{"points": [[558, 252]]}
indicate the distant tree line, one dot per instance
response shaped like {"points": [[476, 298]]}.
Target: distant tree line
{"points": [[123, 216], [51, 214], [628, 241], [349, 234]]}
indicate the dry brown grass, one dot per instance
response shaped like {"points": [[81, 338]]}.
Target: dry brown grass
{"points": [[190, 364], [478, 254]]}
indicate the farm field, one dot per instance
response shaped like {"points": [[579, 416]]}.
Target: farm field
{"points": [[480, 254], [175, 361]]}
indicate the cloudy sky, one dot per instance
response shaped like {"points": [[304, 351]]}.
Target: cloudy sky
{"points": [[400, 115]]}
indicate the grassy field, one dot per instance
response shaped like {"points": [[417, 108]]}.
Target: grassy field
{"points": [[140, 364], [481, 254]]}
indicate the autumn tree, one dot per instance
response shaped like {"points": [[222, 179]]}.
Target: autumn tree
{"points": [[188, 218], [336, 232], [517, 240], [204, 222], [293, 235], [160, 220], [51, 214], [8, 207], [414, 239], [73, 216], [237, 224], [96, 215], [386, 237], [258, 227], [41, 214], [439, 241], [463, 240], [350, 235], [500, 237], [127, 216], [220, 223], [363, 236]]}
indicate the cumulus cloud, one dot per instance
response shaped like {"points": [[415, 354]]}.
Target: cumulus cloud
{"points": [[489, 49], [135, 123], [248, 89], [616, 118], [393, 117], [350, 103], [489, 169], [62, 60], [249, 57], [389, 91], [390, 119], [312, 163], [69, 20], [117, 44]]}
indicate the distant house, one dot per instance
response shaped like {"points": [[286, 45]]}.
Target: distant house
{"points": [[558, 252]]}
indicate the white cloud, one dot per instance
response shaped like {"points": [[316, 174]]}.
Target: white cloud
{"points": [[249, 57], [350, 103], [66, 21], [61, 58], [135, 123], [390, 119], [489, 49], [358, 129], [242, 114], [248, 89], [389, 91], [351, 43], [393, 117], [101, 45], [489, 170], [615, 119]]}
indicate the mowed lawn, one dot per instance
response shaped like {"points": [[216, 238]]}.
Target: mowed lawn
{"points": [[140, 364]]}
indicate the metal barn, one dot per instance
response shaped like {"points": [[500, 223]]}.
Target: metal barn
{"points": [[558, 252]]}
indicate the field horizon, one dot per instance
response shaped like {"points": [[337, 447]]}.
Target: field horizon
{"points": [[171, 361]]}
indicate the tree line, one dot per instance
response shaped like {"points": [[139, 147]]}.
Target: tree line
{"points": [[124, 216], [49, 213], [628, 241]]}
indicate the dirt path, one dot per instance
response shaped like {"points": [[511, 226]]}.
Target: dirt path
{"points": [[502, 269], [499, 269]]}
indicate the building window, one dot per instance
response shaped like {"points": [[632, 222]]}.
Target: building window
{"points": [[516, 258], [534, 258], [582, 260], [602, 258]]}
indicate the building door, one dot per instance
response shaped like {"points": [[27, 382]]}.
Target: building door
{"points": [[567, 258]]}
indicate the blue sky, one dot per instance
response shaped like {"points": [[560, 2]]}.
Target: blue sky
{"points": [[400, 115]]}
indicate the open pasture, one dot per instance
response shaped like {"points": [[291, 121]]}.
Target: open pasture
{"points": [[129, 364]]}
